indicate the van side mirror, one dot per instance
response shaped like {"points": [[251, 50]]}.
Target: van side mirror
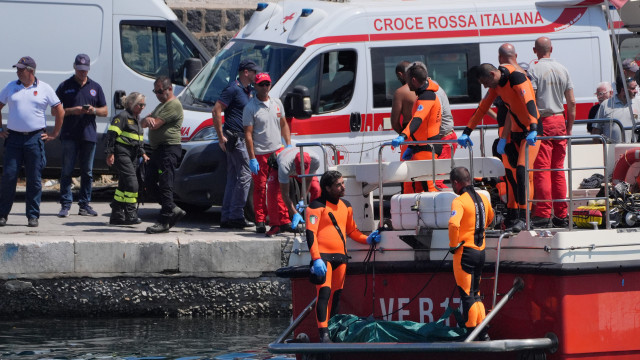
{"points": [[118, 99], [298, 103], [191, 68]]}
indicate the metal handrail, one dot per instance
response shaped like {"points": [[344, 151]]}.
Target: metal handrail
{"points": [[304, 177], [570, 169], [425, 142], [483, 129], [606, 120], [495, 280]]}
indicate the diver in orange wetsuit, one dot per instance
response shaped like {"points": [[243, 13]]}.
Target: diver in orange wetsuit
{"points": [[516, 92], [425, 121], [329, 220], [471, 214]]}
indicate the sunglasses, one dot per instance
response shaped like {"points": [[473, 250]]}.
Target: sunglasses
{"points": [[158, 91], [142, 105], [264, 83]]}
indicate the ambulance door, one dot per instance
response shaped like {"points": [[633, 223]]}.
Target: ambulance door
{"points": [[336, 79]]}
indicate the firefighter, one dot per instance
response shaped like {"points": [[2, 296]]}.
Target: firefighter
{"points": [[124, 148], [329, 220], [471, 214]]}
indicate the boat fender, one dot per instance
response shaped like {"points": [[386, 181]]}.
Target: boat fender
{"points": [[623, 164]]}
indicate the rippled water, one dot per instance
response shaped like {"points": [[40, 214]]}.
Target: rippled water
{"points": [[138, 338]]}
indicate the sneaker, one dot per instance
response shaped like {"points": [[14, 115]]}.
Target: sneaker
{"points": [[86, 210], [517, 226], [158, 228], [279, 229], [560, 222], [261, 228], [3, 221], [176, 215], [33, 222], [64, 211], [540, 222]]}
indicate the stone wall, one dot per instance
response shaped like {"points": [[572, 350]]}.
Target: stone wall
{"points": [[213, 26]]}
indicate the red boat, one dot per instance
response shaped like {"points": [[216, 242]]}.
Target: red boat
{"points": [[552, 293]]}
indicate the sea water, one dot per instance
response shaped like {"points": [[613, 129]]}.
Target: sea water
{"points": [[139, 338]]}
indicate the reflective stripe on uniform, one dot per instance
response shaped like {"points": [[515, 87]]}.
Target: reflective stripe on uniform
{"points": [[125, 196]]}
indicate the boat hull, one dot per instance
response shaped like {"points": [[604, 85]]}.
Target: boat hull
{"points": [[595, 315]]}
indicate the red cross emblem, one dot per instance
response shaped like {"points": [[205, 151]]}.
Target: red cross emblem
{"points": [[340, 157], [287, 18]]}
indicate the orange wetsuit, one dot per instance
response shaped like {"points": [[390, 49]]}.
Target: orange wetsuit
{"points": [[516, 92], [424, 125], [327, 226], [471, 213]]}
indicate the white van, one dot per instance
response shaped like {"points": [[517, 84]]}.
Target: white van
{"points": [[344, 55], [130, 43]]}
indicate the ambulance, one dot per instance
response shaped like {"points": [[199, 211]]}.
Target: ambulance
{"points": [[341, 58]]}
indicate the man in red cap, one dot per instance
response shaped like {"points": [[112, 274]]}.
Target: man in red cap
{"points": [[265, 127]]}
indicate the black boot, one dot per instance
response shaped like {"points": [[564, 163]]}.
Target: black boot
{"points": [[117, 214], [131, 215], [324, 335]]}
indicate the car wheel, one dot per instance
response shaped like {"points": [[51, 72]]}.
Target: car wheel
{"points": [[191, 208]]}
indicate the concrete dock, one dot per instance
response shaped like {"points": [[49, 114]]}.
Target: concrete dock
{"points": [[196, 268]]}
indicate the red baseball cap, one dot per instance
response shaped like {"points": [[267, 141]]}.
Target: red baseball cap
{"points": [[307, 163], [262, 77]]}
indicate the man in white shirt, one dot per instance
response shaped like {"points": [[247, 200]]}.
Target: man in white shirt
{"points": [[27, 98]]}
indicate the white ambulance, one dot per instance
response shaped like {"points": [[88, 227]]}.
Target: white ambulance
{"points": [[343, 54]]}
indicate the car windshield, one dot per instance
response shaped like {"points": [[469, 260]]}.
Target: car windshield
{"points": [[206, 87]]}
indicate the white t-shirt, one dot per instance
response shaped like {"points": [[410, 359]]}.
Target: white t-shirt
{"points": [[287, 167], [28, 105], [265, 120], [550, 79]]}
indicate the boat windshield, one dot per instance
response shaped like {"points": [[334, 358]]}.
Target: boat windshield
{"points": [[206, 87]]}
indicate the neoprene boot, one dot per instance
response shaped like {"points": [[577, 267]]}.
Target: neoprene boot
{"points": [[117, 214], [324, 335], [131, 215]]}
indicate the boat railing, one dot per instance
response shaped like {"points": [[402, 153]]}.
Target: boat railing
{"points": [[569, 169], [433, 172], [323, 146], [616, 122], [483, 132]]}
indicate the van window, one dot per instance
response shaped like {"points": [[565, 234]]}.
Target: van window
{"points": [[144, 49], [206, 87], [447, 64], [336, 72]]}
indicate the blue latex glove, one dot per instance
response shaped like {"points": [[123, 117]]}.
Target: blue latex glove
{"points": [[254, 166], [300, 206], [318, 268], [531, 137], [297, 219], [464, 140], [397, 141], [288, 146], [407, 154], [501, 144], [374, 237]]}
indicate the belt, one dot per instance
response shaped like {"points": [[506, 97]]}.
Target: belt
{"points": [[25, 133]]}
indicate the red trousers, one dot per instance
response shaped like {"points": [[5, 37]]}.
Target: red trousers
{"points": [[260, 188], [551, 184], [278, 212]]}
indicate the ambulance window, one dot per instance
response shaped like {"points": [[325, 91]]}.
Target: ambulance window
{"points": [[144, 49], [447, 64], [330, 78]]}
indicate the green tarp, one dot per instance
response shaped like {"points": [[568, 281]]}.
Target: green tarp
{"points": [[354, 329]]}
